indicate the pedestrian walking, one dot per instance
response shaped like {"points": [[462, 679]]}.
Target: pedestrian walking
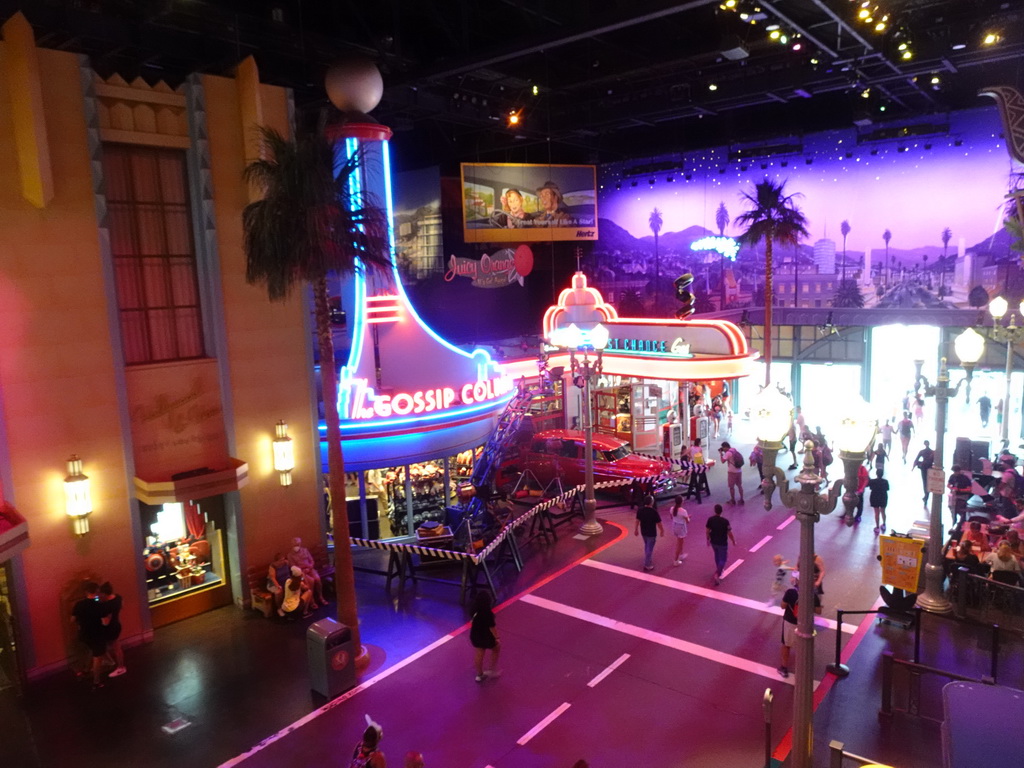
{"points": [[984, 409], [790, 612], [886, 431], [733, 461], [879, 455], [878, 499], [924, 461], [906, 429], [483, 635], [680, 527], [648, 525], [757, 460], [113, 603], [819, 575], [89, 613], [719, 534]]}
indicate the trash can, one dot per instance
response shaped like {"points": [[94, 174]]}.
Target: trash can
{"points": [[332, 659]]}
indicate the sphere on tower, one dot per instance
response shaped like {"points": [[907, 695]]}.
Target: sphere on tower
{"points": [[354, 84]]}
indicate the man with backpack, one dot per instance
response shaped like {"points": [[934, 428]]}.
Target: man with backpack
{"points": [[733, 461]]}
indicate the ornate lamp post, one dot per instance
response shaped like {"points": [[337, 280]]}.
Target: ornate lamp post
{"points": [[589, 344], [771, 414], [969, 349], [1011, 334], [856, 431]]}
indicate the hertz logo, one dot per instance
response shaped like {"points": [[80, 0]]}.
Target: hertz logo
{"points": [[584, 233]]}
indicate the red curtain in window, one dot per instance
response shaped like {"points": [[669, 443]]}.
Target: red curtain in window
{"points": [[194, 520]]}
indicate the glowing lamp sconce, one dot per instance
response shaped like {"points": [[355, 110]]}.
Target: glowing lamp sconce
{"points": [[284, 454], [77, 499]]}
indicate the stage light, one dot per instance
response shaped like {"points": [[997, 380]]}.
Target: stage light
{"points": [[712, 87], [513, 117], [536, 90]]}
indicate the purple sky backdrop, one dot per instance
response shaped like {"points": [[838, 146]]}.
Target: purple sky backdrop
{"points": [[915, 194]]}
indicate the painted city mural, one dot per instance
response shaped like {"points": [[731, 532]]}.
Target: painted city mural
{"points": [[896, 215]]}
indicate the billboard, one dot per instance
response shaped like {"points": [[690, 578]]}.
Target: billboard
{"points": [[514, 202]]}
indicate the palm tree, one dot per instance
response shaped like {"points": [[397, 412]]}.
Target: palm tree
{"points": [[722, 221], [655, 224], [844, 228], [947, 235], [308, 224], [772, 216], [887, 236], [721, 218], [848, 295]]}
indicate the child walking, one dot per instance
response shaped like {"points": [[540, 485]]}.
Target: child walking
{"points": [[680, 527], [782, 568], [483, 634]]}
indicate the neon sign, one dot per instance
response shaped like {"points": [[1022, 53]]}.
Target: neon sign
{"points": [[367, 404], [656, 347], [724, 245]]}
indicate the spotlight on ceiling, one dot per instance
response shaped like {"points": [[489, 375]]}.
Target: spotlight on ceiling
{"points": [[732, 48], [712, 87]]}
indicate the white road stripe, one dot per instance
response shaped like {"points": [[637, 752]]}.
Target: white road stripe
{"points": [[731, 568], [760, 544], [608, 670], [336, 702], [668, 641], [682, 586], [543, 723], [785, 522]]}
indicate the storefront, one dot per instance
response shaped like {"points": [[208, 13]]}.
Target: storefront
{"points": [[658, 377]]}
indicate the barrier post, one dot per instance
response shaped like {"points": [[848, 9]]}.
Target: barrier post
{"points": [[994, 667], [887, 665], [917, 636], [767, 707], [835, 754], [960, 606], [837, 668]]}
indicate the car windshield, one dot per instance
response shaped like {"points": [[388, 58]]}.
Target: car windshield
{"points": [[617, 453]]}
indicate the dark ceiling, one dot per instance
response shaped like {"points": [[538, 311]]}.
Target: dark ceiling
{"points": [[614, 78]]}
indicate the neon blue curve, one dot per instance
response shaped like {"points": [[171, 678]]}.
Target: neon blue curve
{"points": [[349, 425], [356, 350]]}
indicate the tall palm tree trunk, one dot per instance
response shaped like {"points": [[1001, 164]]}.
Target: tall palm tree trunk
{"points": [[768, 301], [344, 584]]}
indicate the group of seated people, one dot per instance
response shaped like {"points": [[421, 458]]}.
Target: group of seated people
{"points": [[294, 582]]}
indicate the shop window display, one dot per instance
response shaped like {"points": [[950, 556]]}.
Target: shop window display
{"points": [[184, 550]]}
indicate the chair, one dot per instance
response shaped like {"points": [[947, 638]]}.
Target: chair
{"points": [[260, 598], [1007, 577]]}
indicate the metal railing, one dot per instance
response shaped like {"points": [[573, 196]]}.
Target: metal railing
{"points": [[837, 756], [988, 600], [915, 672]]}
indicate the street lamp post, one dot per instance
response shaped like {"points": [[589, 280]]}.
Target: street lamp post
{"points": [[1011, 334], [771, 414], [969, 347], [589, 345]]}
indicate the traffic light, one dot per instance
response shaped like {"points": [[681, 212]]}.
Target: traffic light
{"points": [[684, 295]]}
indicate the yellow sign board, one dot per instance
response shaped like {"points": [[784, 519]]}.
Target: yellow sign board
{"points": [[901, 562]]}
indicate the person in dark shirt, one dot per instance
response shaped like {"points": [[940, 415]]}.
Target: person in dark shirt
{"points": [[959, 492], [924, 461], [112, 603], [88, 613], [648, 525], [878, 499], [719, 534], [483, 636], [790, 611]]}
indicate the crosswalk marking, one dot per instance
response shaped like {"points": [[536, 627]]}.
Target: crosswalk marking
{"points": [[726, 659], [682, 586]]}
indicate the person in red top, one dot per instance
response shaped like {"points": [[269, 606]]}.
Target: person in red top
{"points": [[862, 483]]}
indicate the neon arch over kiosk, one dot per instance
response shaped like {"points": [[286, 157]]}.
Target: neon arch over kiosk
{"points": [[405, 394], [651, 348]]}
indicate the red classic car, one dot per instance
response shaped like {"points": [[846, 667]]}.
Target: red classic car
{"points": [[560, 453]]}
